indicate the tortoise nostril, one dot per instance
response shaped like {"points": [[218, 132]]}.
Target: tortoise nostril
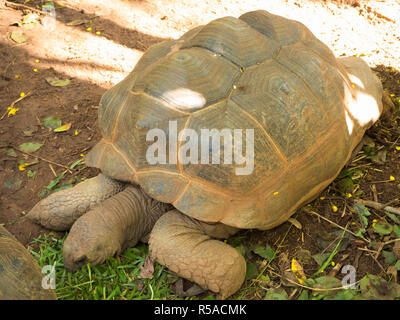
{"points": [[80, 259]]}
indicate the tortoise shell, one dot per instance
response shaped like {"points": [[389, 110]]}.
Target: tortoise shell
{"points": [[20, 276], [259, 71]]}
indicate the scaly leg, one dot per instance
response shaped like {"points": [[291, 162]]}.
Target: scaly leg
{"points": [[60, 210], [185, 246]]}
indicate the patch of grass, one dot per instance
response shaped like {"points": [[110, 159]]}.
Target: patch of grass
{"points": [[115, 279]]}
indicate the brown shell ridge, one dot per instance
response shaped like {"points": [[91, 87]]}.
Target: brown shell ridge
{"points": [[191, 179], [180, 194], [180, 143], [123, 156], [160, 101], [215, 52], [277, 149], [298, 160], [318, 101], [115, 124], [303, 200]]}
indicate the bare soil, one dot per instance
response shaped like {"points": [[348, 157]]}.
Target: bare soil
{"points": [[103, 47]]}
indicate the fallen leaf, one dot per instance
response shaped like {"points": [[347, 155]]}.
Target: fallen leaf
{"points": [[31, 174], [297, 269], [30, 18], [11, 153], [63, 128], [30, 130], [304, 256], [326, 282], [241, 250], [18, 37], [363, 213], [380, 157], [345, 185], [383, 228], [56, 82], [392, 270], [390, 257], [77, 22], [276, 294], [13, 184], [396, 230], [146, 271], [251, 271], [376, 288], [30, 146], [193, 290], [52, 122], [320, 258], [392, 216], [265, 252], [295, 222]]}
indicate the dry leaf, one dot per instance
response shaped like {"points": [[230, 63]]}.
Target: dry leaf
{"points": [[63, 128], [295, 222], [297, 270], [146, 271], [77, 22], [55, 82], [18, 37]]}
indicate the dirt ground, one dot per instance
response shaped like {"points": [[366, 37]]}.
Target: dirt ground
{"points": [[95, 44]]}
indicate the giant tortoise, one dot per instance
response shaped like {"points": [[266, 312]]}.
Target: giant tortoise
{"points": [[235, 125]]}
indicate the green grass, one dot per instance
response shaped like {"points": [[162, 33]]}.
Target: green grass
{"points": [[116, 279]]}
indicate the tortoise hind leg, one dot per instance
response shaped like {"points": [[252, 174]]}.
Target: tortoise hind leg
{"points": [[185, 246], [60, 210]]}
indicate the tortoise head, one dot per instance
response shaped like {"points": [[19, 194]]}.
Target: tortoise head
{"points": [[367, 102], [89, 243]]}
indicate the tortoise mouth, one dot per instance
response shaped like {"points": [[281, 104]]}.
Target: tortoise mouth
{"points": [[74, 264]]}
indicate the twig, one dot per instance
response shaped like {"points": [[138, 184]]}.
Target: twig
{"points": [[391, 241], [379, 206], [52, 170], [377, 262], [344, 210], [367, 250], [374, 192], [311, 288], [13, 103], [381, 181], [379, 251], [335, 224], [46, 160], [20, 5]]}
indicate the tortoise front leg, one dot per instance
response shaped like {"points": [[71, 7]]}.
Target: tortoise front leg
{"points": [[107, 229], [185, 246], [60, 210]]}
